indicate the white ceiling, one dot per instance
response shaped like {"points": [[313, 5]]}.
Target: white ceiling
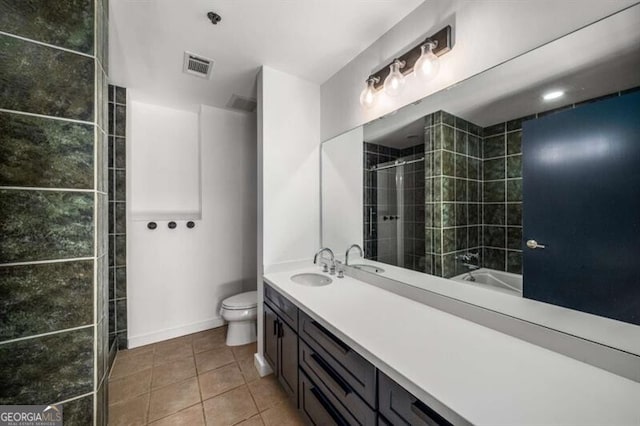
{"points": [[311, 39]]}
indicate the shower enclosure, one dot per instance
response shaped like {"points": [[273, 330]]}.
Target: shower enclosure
{"points": [[394, 206]]}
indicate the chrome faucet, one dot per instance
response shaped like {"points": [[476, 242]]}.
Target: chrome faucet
{"points": [[465, 259], [325, 268], [346, 255]]}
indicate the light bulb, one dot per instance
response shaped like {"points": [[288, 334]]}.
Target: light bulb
{"points": [[394, 82], [368, 95], [428, 64]]}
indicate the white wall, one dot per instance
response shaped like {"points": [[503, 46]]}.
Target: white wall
{"points": [[342, 196], [178, 278], [165, 164], [486, 33], [290, 167], [288, 177]]}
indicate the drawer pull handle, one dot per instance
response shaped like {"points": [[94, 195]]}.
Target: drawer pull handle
{"points": [[426, 414], [341, 346], [332, 374], [329, 408]]}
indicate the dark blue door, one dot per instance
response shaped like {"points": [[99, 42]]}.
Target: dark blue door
{"points": [[581, 200]]}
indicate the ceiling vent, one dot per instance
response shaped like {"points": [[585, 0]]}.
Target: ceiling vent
{"points": [[242, 104], [197, 65]]}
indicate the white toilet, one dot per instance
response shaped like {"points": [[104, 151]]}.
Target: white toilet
{"points": [[240, 311]]}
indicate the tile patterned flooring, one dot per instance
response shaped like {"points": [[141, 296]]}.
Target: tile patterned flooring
{"points": [[195, 380]]}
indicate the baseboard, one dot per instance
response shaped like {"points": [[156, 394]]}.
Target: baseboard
{"points": [[170, 333], [261, 365]]}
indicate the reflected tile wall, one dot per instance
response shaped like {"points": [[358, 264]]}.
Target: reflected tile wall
{"points": [[453, 180], [117, 216], [53, 205]]}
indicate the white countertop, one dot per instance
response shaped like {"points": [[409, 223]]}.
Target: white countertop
{"points": [[483, 376]]}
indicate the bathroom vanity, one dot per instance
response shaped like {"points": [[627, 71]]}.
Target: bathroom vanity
{"points": [[392, 360]]}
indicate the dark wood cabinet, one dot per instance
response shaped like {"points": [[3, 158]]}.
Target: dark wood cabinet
{"points": [[330, 382], [281, 340]]}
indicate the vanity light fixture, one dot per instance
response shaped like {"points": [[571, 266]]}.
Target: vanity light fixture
{"points": [[368, 95], [394, 83], [423, 59], [553, 95]]}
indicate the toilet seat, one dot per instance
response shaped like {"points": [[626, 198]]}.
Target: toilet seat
{"points": [[241, 301]]}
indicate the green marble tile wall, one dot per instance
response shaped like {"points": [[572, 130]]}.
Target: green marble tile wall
{"points": [[54, 206], [453, 168], [117, 218]]}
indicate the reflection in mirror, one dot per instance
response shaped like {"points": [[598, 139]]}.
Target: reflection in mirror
{"points": [[530, 166]]}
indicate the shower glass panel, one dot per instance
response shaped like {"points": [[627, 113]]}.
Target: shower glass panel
{"points": [[394, 204]]}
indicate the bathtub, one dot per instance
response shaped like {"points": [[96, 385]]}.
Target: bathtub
{"points": [[505, 282]]}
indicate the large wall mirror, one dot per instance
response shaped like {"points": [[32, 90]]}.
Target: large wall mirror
{"points": [[517, 190]]}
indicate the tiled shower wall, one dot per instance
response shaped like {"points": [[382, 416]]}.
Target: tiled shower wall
{"points": [[117, 162], [453, 181], [502, 197], [53, 206]]}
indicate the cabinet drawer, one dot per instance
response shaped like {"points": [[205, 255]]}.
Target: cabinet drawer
{"points": [[322, 373], [356, 371], [321, 408], [400, 407], [283, 307]]}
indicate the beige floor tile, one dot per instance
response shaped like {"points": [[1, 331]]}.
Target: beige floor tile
{"points": [[123, 353], [172, 351], [210, 339], [192, 416], [129, 413], [127, 365], [244, 351], [282, 414], [213, 359], [248, 369], [165, 374], [220, 380], [229, 408], [253, 421], [129, 387], [267, 392], [173, 398]]}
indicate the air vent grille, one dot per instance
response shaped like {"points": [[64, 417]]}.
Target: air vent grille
{"points": [[197, 65], [242, 103]]}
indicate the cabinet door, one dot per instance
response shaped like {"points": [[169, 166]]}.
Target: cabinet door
{"points": [[270, 324], [288, 360]]}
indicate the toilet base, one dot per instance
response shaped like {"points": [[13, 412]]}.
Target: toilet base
{"points": [[241, 333]]}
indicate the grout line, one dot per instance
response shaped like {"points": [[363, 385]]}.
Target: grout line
{"points": [[44, 262], [35, 188], [47, 45], [50, 333], [31, 114]]}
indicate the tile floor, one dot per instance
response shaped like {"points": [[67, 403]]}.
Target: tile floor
{"points": [[195, 380]]}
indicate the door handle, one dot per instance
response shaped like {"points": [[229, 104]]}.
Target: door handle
{"points": [[275, 327], [533, 244]]}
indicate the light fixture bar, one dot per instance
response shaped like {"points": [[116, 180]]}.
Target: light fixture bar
{"points": [[443, 45]]}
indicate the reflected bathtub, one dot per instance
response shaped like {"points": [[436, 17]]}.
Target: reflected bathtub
{"points": [[505, 282]]}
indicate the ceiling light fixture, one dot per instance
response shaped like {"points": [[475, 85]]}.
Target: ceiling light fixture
{"points": [[421, 59], [553, 95]]}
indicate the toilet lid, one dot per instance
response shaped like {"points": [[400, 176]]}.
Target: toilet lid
{"points": [[241, 301]]}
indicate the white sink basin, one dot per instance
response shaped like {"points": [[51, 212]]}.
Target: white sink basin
{"points": [[311, 280], [368, 268]]}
